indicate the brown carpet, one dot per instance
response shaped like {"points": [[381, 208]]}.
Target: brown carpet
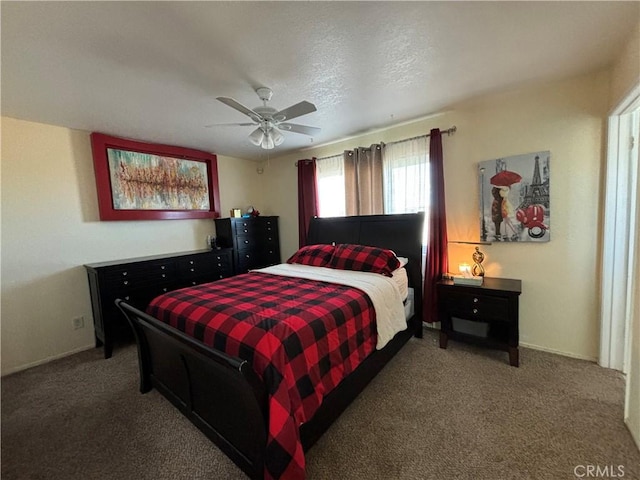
{"points": [[460, 413]]}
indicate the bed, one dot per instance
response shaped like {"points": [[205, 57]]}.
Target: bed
{"points": [[224, 396]]}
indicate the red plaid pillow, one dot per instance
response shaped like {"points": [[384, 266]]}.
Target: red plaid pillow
{"points": [[364, 259], [314, 255]]}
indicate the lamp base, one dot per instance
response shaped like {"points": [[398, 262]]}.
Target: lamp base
{"points": [[478, 258]]}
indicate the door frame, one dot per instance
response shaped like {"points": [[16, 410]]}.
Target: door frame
{"points": [[620, 237]]}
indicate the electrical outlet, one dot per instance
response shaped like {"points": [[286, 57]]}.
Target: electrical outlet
{"points": [[78, 322]]}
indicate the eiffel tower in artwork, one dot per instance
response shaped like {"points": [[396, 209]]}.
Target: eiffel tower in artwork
{"points": [[537, 193]]}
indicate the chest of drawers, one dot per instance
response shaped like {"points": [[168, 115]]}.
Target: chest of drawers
{"points": [[487, 314], [255, 241], [139, 280]]}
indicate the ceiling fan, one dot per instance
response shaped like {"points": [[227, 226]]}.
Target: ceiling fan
{"points": [[270, 121]]}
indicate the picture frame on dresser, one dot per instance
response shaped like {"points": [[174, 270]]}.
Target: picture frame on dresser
{"points": [[137, 180]]}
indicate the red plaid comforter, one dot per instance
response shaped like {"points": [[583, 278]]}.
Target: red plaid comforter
{"points": [[301, 336]]}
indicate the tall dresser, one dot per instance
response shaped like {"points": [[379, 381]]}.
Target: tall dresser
{"points": [[139, 280], [254, 240]]}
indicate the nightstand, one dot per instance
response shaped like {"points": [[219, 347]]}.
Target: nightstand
{"points": [[484, 315]]}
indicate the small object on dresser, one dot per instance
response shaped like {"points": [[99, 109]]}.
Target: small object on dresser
{"points": [[464, 280], [235, 213]]}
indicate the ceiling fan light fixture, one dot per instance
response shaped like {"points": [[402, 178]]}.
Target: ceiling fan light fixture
{"points": [[257, 137], [267, 142], [278, 138]]}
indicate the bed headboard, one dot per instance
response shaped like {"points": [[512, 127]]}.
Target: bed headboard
{"points": [[401, 233]]}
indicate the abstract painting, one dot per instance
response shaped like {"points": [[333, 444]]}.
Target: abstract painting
{"points": [[142, 181]]}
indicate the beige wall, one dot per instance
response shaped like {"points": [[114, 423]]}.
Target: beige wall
{"points": [[625, 73], [559, 304], [50, 228]]}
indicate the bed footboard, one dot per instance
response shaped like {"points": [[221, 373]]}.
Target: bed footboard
{"points": [[220, 394]]}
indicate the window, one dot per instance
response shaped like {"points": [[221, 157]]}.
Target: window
{"points": [[331, 194], [404, 177]]}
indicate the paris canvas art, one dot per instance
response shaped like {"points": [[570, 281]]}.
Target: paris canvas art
{"points": [[514, 198]]}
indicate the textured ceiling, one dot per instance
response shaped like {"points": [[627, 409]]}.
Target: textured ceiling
{"points": [[152, 70]]}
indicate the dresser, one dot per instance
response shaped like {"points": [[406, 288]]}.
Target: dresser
{"points": [[254, 240], [487, 314], [138, 280]]}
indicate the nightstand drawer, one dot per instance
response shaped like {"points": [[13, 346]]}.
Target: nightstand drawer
{"points": [[477, 306]]}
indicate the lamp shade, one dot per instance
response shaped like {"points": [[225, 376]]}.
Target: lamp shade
{"points": [[256, 137], [267, 141], [278, 138]]}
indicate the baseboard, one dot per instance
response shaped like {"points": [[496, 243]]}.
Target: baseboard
{"points": [[47, 360], [558, 352]]}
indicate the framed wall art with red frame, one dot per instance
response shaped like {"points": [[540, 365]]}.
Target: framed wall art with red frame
{"points": [[144, 181]]}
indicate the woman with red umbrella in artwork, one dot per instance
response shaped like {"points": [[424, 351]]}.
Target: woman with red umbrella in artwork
{"points": [[503, 181]]}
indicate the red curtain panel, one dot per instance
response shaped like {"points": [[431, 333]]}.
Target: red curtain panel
{"points": [[307, 197], [436, 262]]}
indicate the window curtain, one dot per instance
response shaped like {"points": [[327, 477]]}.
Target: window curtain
{"points": [[307, 197], [363, 180], [436, 261]]}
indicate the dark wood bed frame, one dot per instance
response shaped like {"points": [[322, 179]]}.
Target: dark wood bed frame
{"points": [[224, 397]]}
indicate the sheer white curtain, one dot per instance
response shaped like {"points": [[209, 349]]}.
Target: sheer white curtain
{"points": [[331, 192], [406, 176]]}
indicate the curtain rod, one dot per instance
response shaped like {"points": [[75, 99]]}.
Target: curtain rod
{"points": [[449, 131]]}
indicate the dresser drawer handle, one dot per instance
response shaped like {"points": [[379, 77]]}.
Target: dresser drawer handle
{"points": [[193, 269], [220, 276], [124, 274], [193, 283], [190, 262], [164, 275], [248, 256], [475, 310], [475, 300], [162, 267], [245, 230], [127, 297], [246, 241], [218, 257], [270, 251], [126, 282], [270, 238], [164, 289], [219, 264]]}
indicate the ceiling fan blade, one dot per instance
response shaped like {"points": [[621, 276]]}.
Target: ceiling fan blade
{"points": [[241, 108], [294, 111], [294, 127], [248, 124]]}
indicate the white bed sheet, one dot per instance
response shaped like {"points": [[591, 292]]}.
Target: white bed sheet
{"points": [[401, 279]]}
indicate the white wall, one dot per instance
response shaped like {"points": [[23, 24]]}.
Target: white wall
{"points": [[51, 227], [559, 303]]}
